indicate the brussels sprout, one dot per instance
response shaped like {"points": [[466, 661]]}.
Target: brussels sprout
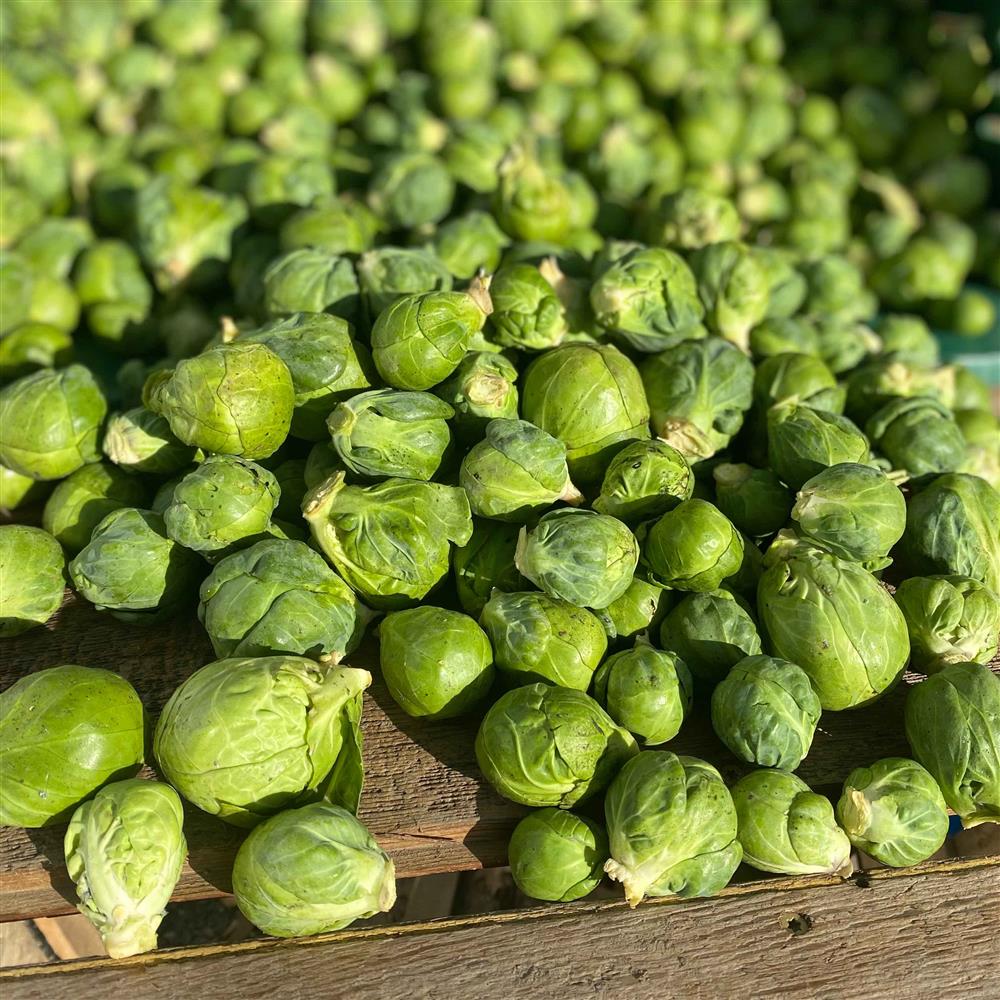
{"points": [[918, 435], [470, 243], [589, 396], [31, 346], [310, 870], [766, 712], [486, 563], [532, 202], [784, 335], [953, 728], [698, 393], [853, 511], [639, 610], [65, 732], [876, 384], [693, 218], [644, 480], [420, 339], [141, 441], [236, 399], [310, 280], [276, 186], [893, 811], [32, 578], [54, 244], [837, 290], [124, 850], [833, 619], [244, 738], [671, 827], [436, 663], [279, 596], [527, 313], [411, 190], [50, 422], [908, 339], [550, 746], [482, 388], [557, 856], [733, 288], [473, 153], [537, 638], [978, 427], [334, 227], [786, 292], [753, 499], [798, 378], [842, 345], [19, 491], [389, 541], [786, 828], [132, 569], [386, 274]]}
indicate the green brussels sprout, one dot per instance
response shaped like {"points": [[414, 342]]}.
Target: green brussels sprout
{"points": [[336, 226], [276, 186], [473, 153], [784, 335], [527, 313], [388, 432], [310, 870], [880, 382], [978, 426], [50, 422], [648, 297], [532, 202], [644, 480], [833, 619], [798, 378], [854, 511], [918, 435], [557, 856], [972, 314], [671, 827], [953, 728], [19, 491], [420, 339], [387, 274], [843, 346], [837, 290], [733, 289], [766, 712], [410, 190], [139, 440], [541, 745], [908, 339], [310, 280], [693, 547], [436, 663], [786, 828], [537, 638], [83, 499], [639, 610], [470, 243], [236, 399], [953, 527], [124, 850], [787, 289], [924, 269], [698, 393], [753, 499], [132, 569], [693, 218], [64, 732], [893, 811], [970, 389], [32, 578], [244, 738], [32, 346], [482, 388], [321, 463], [486, 563], [958, 185], [54, 244], [390, 541]]}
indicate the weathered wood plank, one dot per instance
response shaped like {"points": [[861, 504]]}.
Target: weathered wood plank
{"points": [[924, 932]]}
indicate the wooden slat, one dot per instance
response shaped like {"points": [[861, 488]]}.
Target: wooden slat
{"points": [[923, 932]]}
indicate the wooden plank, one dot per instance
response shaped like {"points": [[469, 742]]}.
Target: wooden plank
{"points": [[923, 932], [72, 936]]}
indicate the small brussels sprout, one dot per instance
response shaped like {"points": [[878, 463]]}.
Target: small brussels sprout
{"points": [[978, 427], [766, 712], [876, 384], [698, 393], [953, 728], [786, 292], [388, 432], [854, 511], [532, 202], [527, 313], [557, 856], [486, 563], [236, 399], [65, 732], [798, 378], [469, 243], [785, 335], [753, 499], [482, 388], [671, 827], [244, 738], [733, 288], [786, 828], [311, 870], [837, 289], [693, 218], [50, 422], [843, 346], [278, 185], [638, 611], [132, 569], [550, 746], [436, 663], [390, 541], [893, 811], [411, 189], [333, 227], [139, 440], [386, 274], [420, 339], [310, 280], [32, 346], [32, 578], [908, 339], [918, 435], [124, 850]]}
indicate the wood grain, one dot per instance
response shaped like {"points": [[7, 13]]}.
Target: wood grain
{"points": [[923, 932]]}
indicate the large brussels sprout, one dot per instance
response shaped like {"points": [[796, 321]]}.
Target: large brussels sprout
{"points": [[753, 499], [589, 396], [388, 432], [698, 393], [671, 827], [244, 738], [236, 399], [953, 728], [766, 712], [482, 388], [50, 422], [486, 563], [310, 280], [389, 541], [386, 274], [65, 732], [733, 288], [310, 870], [557, 856], [550, 746], [436, 663], [644, 480], [141, 441], [786, 828], [411, 190], [527, 313], [280, 596], [538, 638], [124, 850], [833, 619], [893, 811], [917, 434], [32, 578]]}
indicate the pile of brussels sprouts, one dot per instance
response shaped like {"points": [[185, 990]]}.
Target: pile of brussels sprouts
{"points": [[583, 345]]}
